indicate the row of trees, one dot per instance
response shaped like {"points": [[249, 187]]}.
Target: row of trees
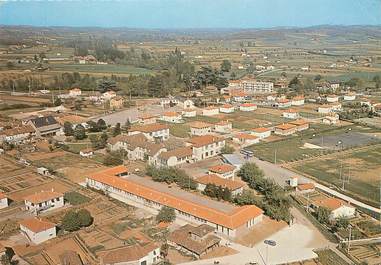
{"points": [[275, 202], [171, 175], [218, 192]]}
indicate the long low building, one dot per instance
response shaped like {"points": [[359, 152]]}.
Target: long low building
{"points": [[226, 218]]}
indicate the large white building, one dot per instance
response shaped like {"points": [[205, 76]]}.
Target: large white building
{"points": [[252, 86], [37, 231], [155, 131], [199, 128], [206, 146], [337, 208], [175, 157]]}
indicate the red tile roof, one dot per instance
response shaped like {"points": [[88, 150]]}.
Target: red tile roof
{"points": [[150, 127], [36, 225], [285, 126], [331, 203], [43, 196], [306, 186], [199, 141], [216, 180], [220, 169], [261, 130]]}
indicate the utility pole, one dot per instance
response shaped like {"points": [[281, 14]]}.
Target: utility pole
{"points": [[349, 238], [275, 157]]}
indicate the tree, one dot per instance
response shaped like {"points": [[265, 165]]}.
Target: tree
{"points": [[68, 129], [247, 197], [226, 66], [127, 125], [70, 221], [166, 214], [227, 149], [317, 78], [103, 140], [79, 132], [93, 126], [116, 131], [342, 222], [101, 124], [7, 257], [322, 215], [164, 250], [233, 76], [85, 218], [57, 102], [377, 81], [249, 171]]}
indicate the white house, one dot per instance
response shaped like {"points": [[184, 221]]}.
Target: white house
{"points": [[285, 129], [338, 208], [109, 95], [132, 255], [185, 103], [245, 139], [297, 101], [172, 117], [87, 152], [223, 127], [199, 128], [44, 201], [284, 103], [4, 202], [206, 146], [210, 111], [75, 92], [247, 107], [189, 113], [175, 157], [290, 114], [225, 171], [227, 108], [147, 119], [37, 230], [152, 131], [17, 135], [331, 119], [350, 96], [332, 98], [261, 132]]}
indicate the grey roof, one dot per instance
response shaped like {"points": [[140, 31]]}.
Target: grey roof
{"points": [[44, 121], [232, 159]]}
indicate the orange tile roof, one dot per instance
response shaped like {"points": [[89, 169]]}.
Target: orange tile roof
{"points": [[200, 125], [291, 111], [299, 122], [331, 203], [298, 98], [238, 217], [245, 136], [211, 108], [223, 123], [36, 225], [283, 100], [199, 141], [285, 126], [261, 129], [116, 170], [306, 186], [150, 127], [224, 168], [43, 196], [216, 180], [2, 196], [127, 254], [248, 105], [179, 153], [147, 116], [227, 106], [171, 114]]}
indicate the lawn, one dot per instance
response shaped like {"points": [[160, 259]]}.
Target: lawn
{"points": [[76, 198], [359, 169], [179, 130]]}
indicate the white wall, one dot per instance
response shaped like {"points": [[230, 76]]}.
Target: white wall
{"points": [[40, 237]]}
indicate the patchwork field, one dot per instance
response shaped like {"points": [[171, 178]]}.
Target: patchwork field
{"points": [[358, 169]]}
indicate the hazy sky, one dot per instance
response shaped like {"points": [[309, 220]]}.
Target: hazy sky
{"points": [[191, 13]]}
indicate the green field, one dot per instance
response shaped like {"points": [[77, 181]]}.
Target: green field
{"points": [[94, 68], [359, 169], [179, 130]]}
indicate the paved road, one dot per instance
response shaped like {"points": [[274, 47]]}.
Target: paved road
{"points": [[281, 175]]}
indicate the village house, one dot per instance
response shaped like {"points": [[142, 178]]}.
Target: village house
{"points": [[285, 129], [235, 187], [334, 85], [189, 113], [226, 219], [227, 108], [223, 127], [131, 255], [331, 119], [87, 152], [206, 146], [261, 132], [305, 188], [108, 95], [332, 98], [116, 103], [195, 241], [44, 201], [155, 131], [350, 96], [225, 171], [4, 201], [337, 208], [253, 86], [199, 128], [210, 111], [75, 92], [171, 116], [147, 119], [175, 157], [17, 135], [37, 230], [283, 103], [185, 103], [45, 126], [300, 124], [297, 101], [245, 139], [290, 114], [247, 107], [238, 96]]}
